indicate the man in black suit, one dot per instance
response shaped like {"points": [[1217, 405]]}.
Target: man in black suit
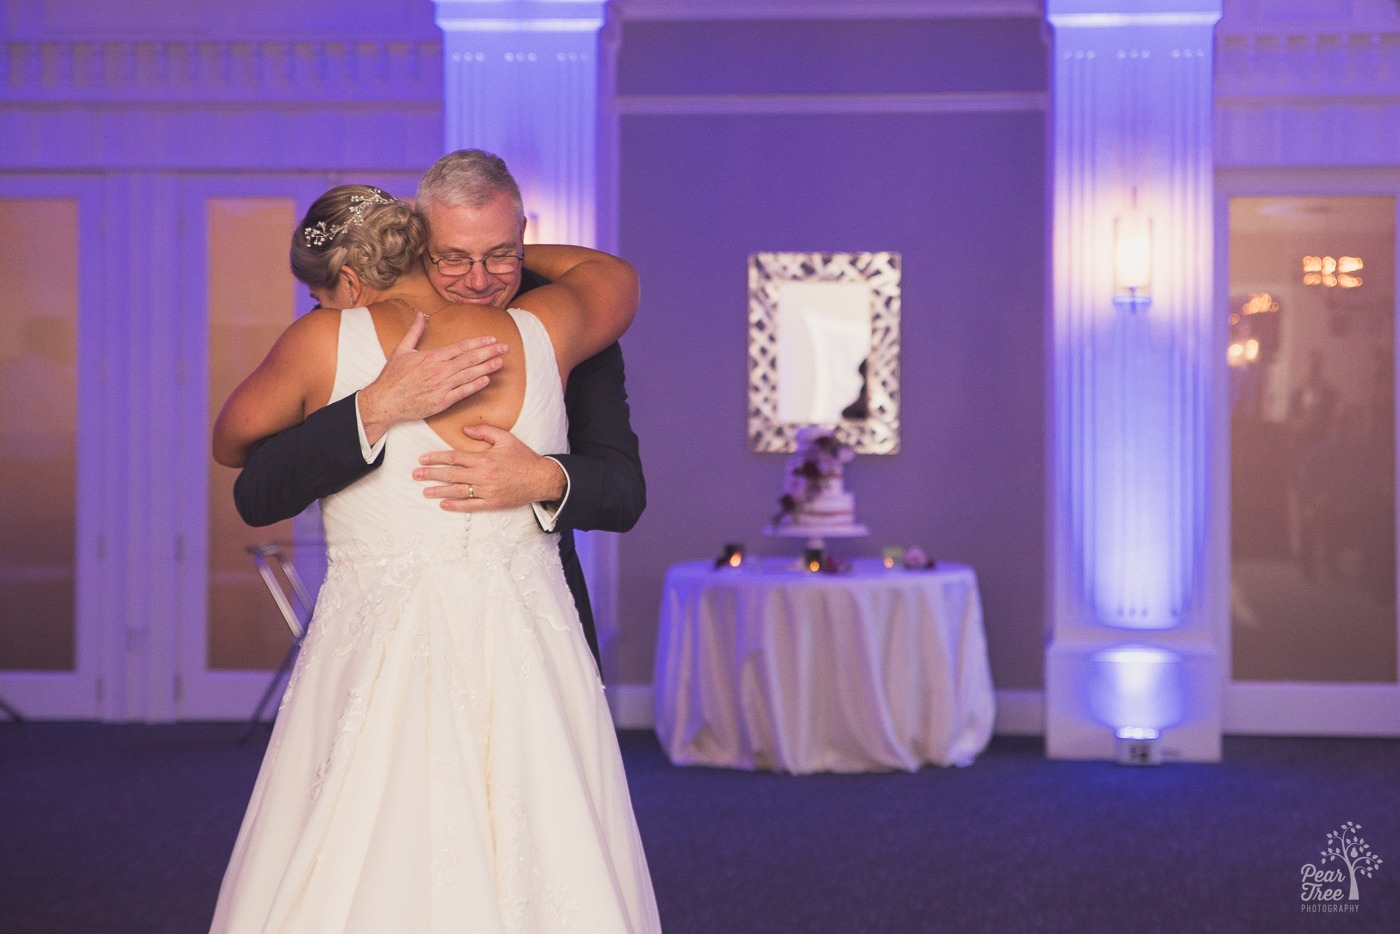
{"points": [[597, 486]]}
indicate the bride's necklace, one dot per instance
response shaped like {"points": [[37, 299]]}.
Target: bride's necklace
{"points": [[418, 311]]}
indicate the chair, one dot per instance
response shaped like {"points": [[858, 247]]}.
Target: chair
{"points": [[274, 562]]}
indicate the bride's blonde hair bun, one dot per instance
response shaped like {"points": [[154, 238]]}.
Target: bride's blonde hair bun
{"points": [[365, 228]]}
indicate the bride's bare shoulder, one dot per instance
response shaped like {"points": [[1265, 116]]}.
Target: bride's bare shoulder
{"points": [[312, 331], [457, 321]]}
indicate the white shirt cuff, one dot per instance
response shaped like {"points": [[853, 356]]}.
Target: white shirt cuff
{"points": [[548, 517], [370, 452]]}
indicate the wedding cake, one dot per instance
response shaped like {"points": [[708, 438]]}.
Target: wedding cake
{"points": [[831, 507], [814, 491]]}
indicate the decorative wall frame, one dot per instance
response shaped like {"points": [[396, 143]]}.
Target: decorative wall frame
{"points": [[848, 290]]}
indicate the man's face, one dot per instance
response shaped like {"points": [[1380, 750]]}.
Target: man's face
{"points": [[477, 232]]}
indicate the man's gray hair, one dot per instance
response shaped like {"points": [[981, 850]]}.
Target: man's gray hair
{"points": [[468, 176]]}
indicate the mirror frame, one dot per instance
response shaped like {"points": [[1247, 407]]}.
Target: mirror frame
{"points": [[878, 433]]}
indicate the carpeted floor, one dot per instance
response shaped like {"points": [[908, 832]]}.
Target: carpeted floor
{"points": [[124, 829]]}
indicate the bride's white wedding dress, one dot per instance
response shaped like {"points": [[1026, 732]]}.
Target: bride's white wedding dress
{"points": [[443, 759]]}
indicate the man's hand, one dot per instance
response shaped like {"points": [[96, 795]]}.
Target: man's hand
{"points": [[506, 475], [418, 384]]}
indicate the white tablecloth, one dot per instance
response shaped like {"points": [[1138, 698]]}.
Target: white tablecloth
{"points": [[781, 669]]}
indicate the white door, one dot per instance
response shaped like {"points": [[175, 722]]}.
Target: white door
{"points": [[238, 297], [1311, 299], [56, 558]]}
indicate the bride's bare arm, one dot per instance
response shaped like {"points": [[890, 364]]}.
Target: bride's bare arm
{"points": [[589, 303], [293, 379]]}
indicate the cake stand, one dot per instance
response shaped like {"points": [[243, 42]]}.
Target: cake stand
{"points": [[816, 538]]}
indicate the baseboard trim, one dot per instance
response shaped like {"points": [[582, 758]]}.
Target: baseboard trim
{"points": [[1019, 713]]}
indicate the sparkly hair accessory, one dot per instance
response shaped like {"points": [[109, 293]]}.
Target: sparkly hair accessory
{"points": [[321, 233], [376, 196]]}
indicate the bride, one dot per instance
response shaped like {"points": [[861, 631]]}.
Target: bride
{"points": [[443, 759]]}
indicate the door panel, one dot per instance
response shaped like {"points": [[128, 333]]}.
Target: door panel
{"points": [[1312, 473], [38, 433], [246, 315], [230, 635], [48, 655]]}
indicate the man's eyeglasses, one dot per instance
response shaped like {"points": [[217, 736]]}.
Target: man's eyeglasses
{"points": [[497, 264]]}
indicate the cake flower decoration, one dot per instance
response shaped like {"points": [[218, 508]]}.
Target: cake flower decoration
{"points": [[819, 456]]}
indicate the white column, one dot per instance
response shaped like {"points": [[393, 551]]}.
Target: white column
{"points": [[522, 79], [531, 81], [1136, 629]]}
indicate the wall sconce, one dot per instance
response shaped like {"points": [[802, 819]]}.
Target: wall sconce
{"points": [[1132, 259]]}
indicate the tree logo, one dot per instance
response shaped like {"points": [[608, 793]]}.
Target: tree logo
{"points": [[1322, 885]]}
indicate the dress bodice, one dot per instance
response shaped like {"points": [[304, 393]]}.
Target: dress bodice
{"points": [[386, 510]]}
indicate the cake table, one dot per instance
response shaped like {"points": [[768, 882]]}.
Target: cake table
{"points": [[766, 666]]}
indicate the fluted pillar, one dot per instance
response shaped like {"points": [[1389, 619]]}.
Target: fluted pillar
{"points": [[523, 79], [1135, 631], [531, 80]]}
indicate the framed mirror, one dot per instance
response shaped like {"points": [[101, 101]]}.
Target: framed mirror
{"points": [[824, 348]]}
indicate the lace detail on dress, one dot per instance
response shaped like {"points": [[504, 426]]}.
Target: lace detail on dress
{"points": [[347, 728], [518, 874]]}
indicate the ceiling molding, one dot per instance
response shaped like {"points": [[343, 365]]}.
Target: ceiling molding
{"points": [[633, 10], [829, 104]]}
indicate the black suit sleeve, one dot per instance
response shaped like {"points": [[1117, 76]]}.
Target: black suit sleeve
{"points": [[289, 471], [607, 491]]}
